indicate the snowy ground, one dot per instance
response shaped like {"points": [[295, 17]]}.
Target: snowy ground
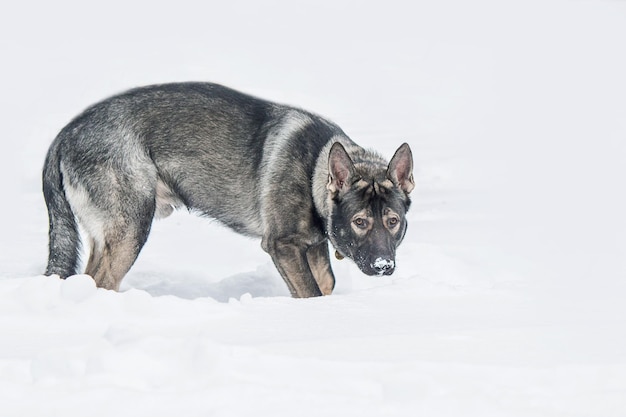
{"points": [[509, 295]]}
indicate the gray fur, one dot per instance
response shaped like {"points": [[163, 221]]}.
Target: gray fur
{"points": [[263, 169]]}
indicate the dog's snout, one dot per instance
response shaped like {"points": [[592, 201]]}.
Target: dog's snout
{"points": [[383, 266]]}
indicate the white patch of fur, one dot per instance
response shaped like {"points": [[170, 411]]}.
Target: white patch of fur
{"points": [[90, 217]]}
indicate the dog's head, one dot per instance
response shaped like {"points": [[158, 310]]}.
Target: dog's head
{"points": [[368, 207]]}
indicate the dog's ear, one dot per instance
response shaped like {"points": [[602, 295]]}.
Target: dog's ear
{"points": [[340, 169], [400, 170]]}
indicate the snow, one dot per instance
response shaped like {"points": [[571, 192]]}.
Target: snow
{"points": [[383, 265], [508, 294]]}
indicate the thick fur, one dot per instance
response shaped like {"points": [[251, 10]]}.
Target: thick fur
{"points": [[263, 169]]}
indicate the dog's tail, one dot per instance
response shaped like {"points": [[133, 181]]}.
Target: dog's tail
{"points": [[64, 244]]}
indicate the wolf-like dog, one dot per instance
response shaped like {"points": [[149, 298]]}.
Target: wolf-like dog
{"points": [[267, 170]]}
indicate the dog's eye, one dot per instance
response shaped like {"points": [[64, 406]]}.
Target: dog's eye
{"points": [[393, 222], [360, 223]]}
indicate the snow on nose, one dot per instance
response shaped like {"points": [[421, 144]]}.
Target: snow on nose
{"points": [[382, 265]]}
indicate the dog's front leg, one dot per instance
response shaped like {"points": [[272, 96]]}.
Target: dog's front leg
{"points": [[319, 262], [290, 258]]}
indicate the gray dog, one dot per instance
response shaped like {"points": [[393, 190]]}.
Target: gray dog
{"points": [[265, 170]]}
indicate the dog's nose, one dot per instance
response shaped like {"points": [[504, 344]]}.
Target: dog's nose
{"points": [[383, 266]]}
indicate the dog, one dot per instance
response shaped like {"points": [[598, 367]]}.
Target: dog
{"points": [[266, 170]]}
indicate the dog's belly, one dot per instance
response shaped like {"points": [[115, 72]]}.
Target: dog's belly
{"points": [[240, 212]]}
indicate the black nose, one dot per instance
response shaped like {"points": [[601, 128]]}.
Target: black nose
{"points": [[383, 266]]}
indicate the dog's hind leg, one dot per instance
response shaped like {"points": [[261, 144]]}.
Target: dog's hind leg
{"points": [[117, 248], [115, 206], [110, 261], [319, 262]]}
